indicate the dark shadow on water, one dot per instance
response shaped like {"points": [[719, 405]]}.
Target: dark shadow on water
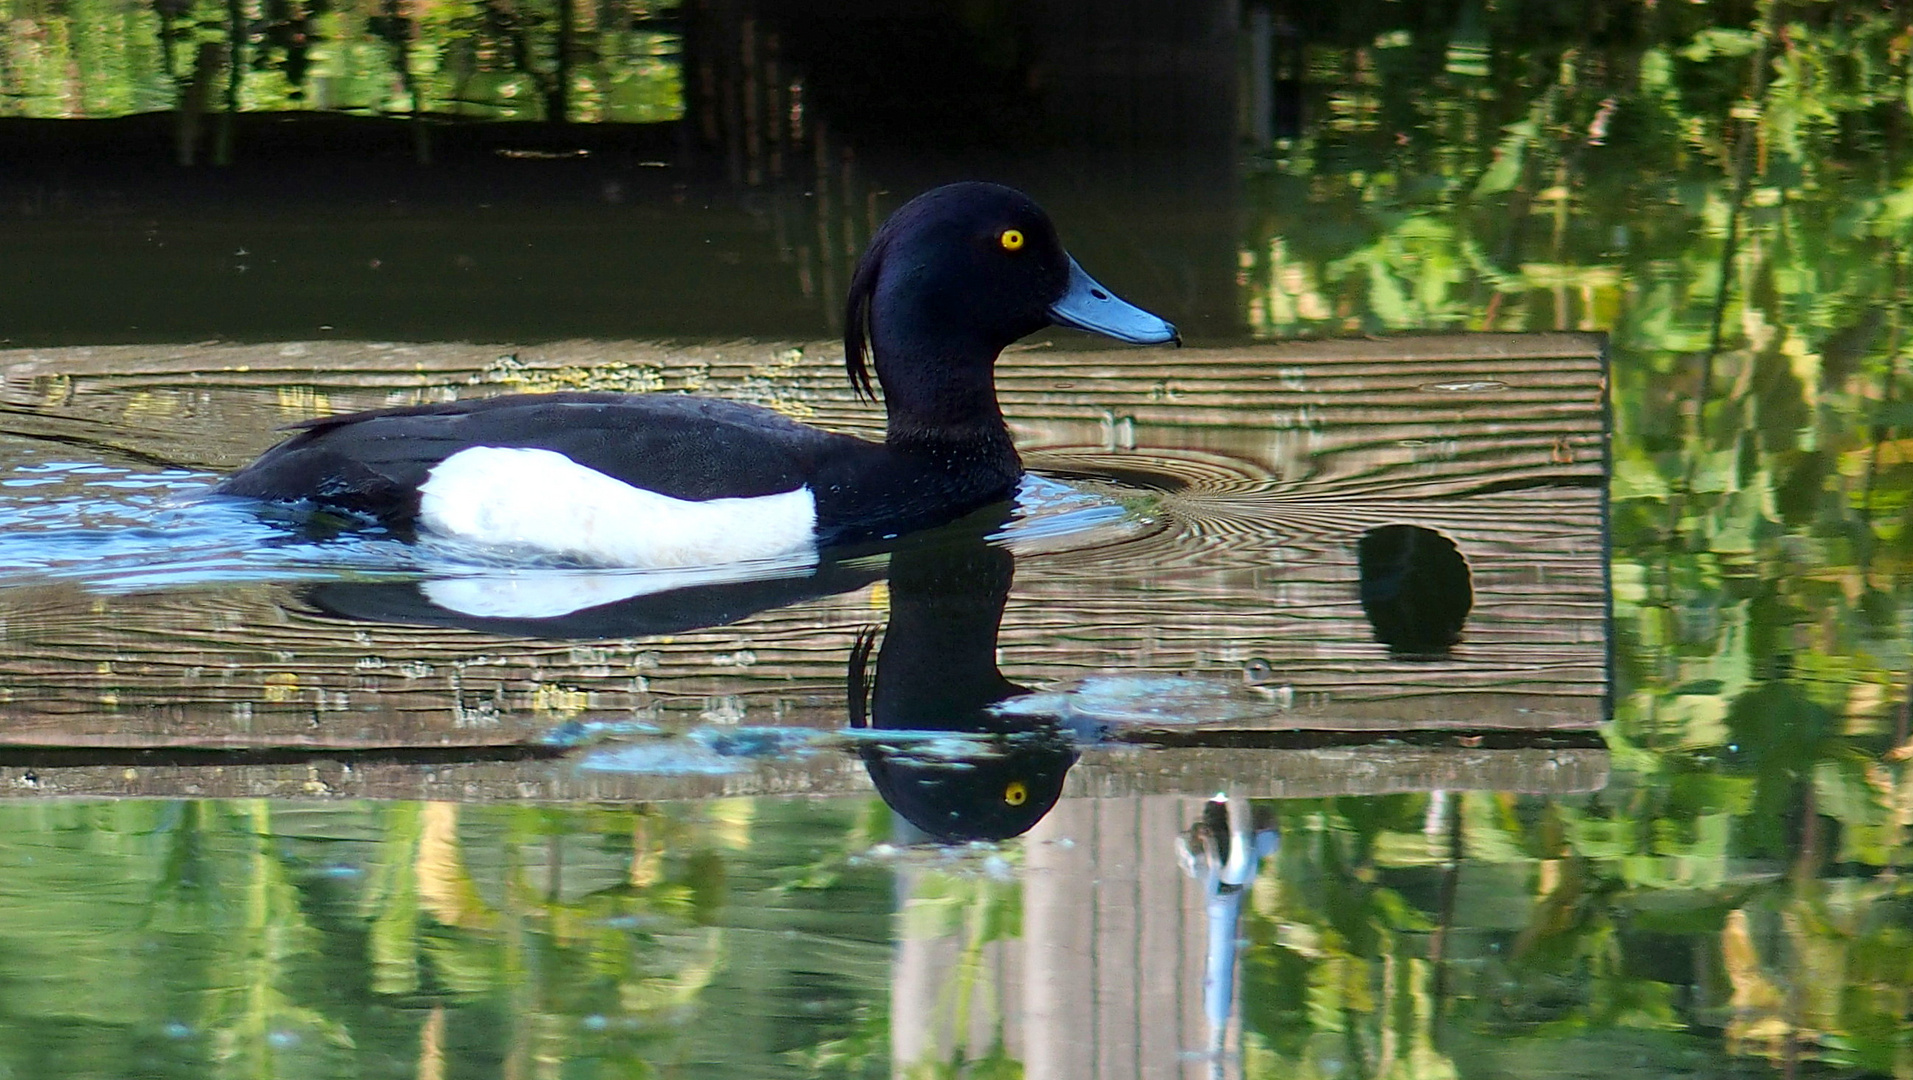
{"points": [[1415, 589]]}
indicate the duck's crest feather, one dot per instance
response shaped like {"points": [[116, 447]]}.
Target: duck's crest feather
{"points": [[859, 354]]}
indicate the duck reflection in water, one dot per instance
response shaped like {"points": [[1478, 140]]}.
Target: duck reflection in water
{"points": [[586, 605], [935, 674], [923, 715]]}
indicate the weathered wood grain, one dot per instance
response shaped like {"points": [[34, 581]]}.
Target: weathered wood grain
{"points": [[1250, 473]]}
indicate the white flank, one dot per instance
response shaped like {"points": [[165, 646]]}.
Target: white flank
{"points": [[542, 504]]}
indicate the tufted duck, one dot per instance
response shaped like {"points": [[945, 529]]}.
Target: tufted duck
{"points": [[667, 480]]}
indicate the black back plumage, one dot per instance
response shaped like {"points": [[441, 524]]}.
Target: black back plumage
{"points": [[685, 447]]}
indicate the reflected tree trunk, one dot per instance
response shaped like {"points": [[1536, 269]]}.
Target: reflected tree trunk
{"points": [[431, 1046], [194, 96], [169, 12], [398, 33], [516, 30], [235, 70], [1445, 816], [1903, 716], [1743, 168], [558, 100]]}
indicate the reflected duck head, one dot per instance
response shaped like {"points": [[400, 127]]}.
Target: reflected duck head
{"points": [[972, 787], [954, 277]]}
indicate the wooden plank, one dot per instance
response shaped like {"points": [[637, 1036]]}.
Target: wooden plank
{"points": [[1251, 473]]}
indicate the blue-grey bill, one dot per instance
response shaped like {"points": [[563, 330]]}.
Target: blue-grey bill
{"points": [[1086, 305]]}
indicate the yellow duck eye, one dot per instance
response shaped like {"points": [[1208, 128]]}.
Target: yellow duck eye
{"points": [[1016, 794], [1011, 240]]}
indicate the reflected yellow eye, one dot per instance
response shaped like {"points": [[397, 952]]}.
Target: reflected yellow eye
{"points": [[1011, 240], [1016, 794]]}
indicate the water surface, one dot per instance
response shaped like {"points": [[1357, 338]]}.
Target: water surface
{"points": [[652, 843]]}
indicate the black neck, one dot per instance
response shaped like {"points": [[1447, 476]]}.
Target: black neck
{"points": [[984, 445], [936, 391], [937, 669], [944, 409]]}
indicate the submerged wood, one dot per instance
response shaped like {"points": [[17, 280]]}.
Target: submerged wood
{"points": [[1105, 773], [1264, 466]]}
